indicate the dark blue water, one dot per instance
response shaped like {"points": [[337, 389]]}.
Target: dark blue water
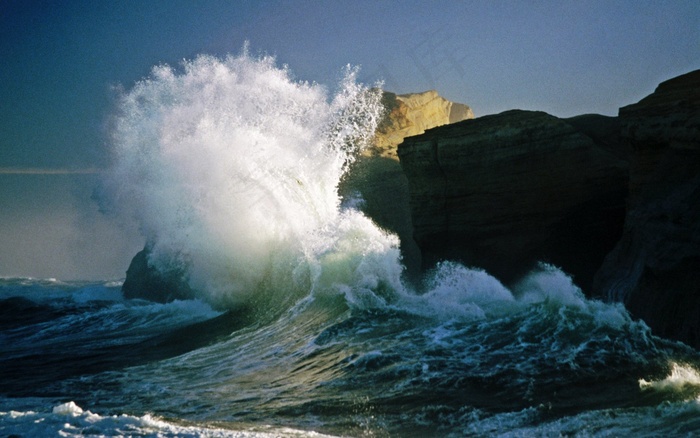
{"points": [[547, 365]]}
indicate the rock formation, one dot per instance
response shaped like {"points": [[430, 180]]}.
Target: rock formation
{"points": [[655, 268], [502, 192], [412, 114], [377, 176]]}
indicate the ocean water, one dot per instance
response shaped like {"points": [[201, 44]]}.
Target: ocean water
{"points": [[302, 323]]}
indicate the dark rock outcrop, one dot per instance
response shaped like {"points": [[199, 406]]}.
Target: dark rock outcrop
{"points": [[604, 130], [502, 192], [383, 188], [655, 268], [144, 281]]}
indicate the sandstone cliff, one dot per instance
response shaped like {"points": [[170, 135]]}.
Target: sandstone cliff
{"points": [[655, 268], [412, 114], [502, 192]]}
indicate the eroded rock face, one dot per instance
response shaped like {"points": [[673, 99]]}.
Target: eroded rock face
{"points": [[502, 192], [655, 268], [412, 114]]}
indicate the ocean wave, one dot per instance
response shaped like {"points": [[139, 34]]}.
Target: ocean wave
{"points": [[70, 420]]}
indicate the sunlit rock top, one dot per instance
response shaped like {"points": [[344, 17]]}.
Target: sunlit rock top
{"points": [[412, 114]]}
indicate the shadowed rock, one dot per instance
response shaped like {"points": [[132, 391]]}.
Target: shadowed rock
{"points": [[144, 281], [383, 189], [655, 268], [502, 192]]}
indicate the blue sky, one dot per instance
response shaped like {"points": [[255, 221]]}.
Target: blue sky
{"points": [[63, 60]]}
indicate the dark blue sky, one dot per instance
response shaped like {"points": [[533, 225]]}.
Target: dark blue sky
{"points": [[62, 60]]}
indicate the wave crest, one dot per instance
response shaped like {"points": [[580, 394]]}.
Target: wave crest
{"points": [[230, 167]]}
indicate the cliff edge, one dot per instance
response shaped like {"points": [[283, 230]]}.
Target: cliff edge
{"points": [[505, 191], [655, 268]]}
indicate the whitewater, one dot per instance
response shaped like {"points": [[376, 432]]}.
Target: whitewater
{"points": [[301, 321]]}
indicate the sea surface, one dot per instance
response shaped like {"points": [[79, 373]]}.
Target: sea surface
{"points": [[76, 359], [302, 322]]}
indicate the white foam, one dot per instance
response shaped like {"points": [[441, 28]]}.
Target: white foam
{"points": [[682, 377], [70, 420], [69, 408], [355, 257], [230, 166], [548, 283], [454, 290]]}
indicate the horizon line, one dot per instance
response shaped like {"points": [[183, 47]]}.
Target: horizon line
{"points": [[49, 171]]}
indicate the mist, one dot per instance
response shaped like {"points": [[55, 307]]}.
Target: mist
{"points": [[52, 227]]}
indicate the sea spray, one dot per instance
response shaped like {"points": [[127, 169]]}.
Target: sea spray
{"points": [[682, 383], [231, 169]]}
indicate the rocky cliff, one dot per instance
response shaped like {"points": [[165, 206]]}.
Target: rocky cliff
{"points": [[502, 192], [412, 114], [655, 268]]}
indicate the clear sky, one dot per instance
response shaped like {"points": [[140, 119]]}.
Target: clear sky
{"points": [[63, 60]]}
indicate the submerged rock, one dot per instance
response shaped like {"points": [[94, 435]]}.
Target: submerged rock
{"points": [[503, 192], [145, 281], [655, 268]]}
